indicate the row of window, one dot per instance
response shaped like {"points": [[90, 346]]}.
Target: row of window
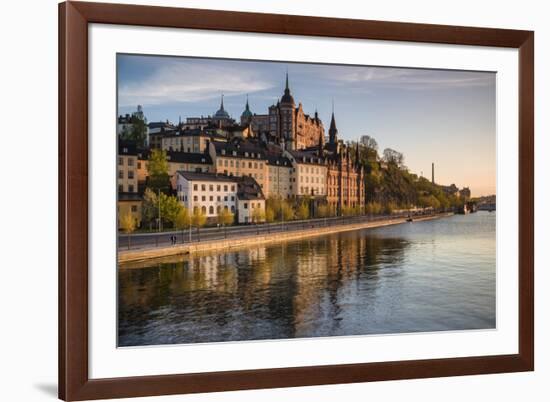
{"points": [[130, 162], [210, 187], [211, 209], [229, 163], [211, 198], [131, 188], [130, 174], [246, 154]]}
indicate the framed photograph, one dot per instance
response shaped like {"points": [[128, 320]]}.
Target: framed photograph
{"points": [[260, 200]]}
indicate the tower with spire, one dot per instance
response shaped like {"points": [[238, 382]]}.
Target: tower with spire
{"points": [[221, 118], [246, 115], [287, 117]]}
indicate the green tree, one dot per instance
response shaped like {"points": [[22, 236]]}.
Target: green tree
{"points": [[182, 221], [157, 205], [269, 216], [225, 218], [128, 225], [303, 212], [157, 170], [198, 220]]}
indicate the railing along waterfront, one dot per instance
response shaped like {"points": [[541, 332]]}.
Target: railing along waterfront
{"points": [[158, 239]]}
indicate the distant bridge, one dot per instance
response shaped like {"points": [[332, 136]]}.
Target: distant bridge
{"points": [[487, 207]]}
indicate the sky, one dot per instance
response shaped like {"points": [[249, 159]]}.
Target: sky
{"points": [[442, 116]]}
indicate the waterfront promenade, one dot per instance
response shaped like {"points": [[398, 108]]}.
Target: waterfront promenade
{"points": [[155, 245]]}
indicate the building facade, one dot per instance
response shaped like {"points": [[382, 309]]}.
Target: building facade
{"points": [[241, 158], [207, 192], [127, 177], [286, 124], [345, 177]]}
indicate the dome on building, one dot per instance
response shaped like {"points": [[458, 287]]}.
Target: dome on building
{"points": [[221, 112], [246, 113]]}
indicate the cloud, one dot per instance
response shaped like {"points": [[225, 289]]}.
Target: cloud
{"points": [[174, 82], [414, 79]]}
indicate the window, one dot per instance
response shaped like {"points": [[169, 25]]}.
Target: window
{"points": [[130, 174], [139, 165], [255, 165], [203, 187], [195, 187], [218, 209], [219, 198], [225, 197], [203, 198], [211, 210], [233, 208], [130, 188], [218, 187], [211, 187], [225, 163], [211, 198], [231, 163], [232, 198], [120, 188], [237, 163], [130, 162], [121, 161], [245, 205], [203, 209], [220, 162], [120, 174], [195, 198], [225, 187], [134, 208], [232, 187], [250, 165]]}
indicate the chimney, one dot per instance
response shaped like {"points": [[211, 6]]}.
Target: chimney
{"points": [[433, 174]]}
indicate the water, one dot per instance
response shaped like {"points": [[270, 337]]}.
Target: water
{"points": [[423, 276]]}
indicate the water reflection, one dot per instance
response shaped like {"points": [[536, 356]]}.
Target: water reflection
{"points": [[395, 279]]}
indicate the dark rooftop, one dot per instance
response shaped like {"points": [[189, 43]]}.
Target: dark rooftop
{"points": [[240, 148], [188, 157], [195, 176]]}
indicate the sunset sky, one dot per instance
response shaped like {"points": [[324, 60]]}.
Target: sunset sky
{"points": [[440, 116]]}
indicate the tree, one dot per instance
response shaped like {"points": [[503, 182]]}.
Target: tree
{"points": [[287, 212], [161, 206], [128, 225], [183, 220], [136, 130], [269, 216], [303, 211], [258, 216], [198, 220], [323, 211], [157, 170], [394, 157], [225, 218], [369, 142]]}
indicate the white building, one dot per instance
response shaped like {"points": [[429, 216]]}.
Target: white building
{"points": [[208, 192]]}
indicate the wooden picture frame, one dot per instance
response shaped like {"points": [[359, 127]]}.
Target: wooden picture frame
{"points": [[74, 381]]}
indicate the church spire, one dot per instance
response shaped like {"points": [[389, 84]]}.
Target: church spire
{"points": [[333, 131], [221, 106], [287, 97]]}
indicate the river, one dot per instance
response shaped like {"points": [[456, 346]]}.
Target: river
{"points": [[433, 275]]}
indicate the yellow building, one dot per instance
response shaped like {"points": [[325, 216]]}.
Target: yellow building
{"points": [[281, 176], [241, 158], [129, 203], [192, 141], [127, 177], [310, 173]]}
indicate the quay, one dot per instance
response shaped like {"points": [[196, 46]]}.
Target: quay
{"points": [[256, 238]]}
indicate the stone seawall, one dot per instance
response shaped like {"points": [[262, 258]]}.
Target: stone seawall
{"points": [[125, 256]]}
